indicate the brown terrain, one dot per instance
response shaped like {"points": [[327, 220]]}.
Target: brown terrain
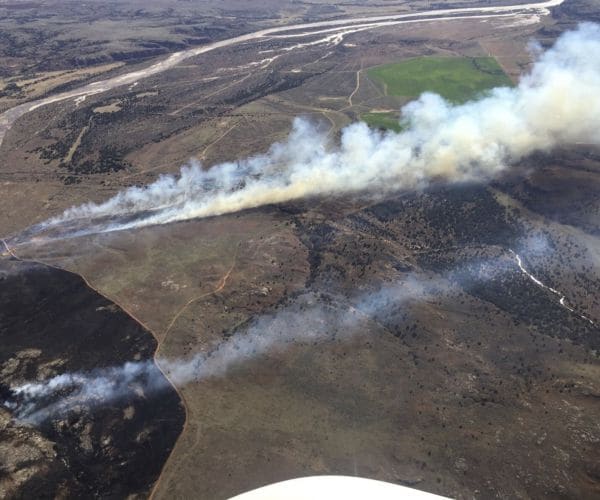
{"points": [[482, 388]]}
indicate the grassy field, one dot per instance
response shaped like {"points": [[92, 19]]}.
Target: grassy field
{"points": [[457, 79], [388, 120]]}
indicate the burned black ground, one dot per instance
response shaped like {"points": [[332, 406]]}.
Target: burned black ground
{"points": [[112, 450]]}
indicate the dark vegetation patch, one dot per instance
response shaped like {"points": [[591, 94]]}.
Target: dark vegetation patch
{"points": [[450, 216], [457, 232], [563, 187], [101, 148], [511, 291], [571, 12], [108, 159]]}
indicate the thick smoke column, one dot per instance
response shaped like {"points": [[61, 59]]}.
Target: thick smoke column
{"points": [[556, 103]]}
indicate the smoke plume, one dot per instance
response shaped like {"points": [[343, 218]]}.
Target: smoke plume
{"points": [[556, 103], [35, 402], [311, 318]]}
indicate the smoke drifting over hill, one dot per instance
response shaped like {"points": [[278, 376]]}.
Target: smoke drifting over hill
{"points": [[309, 319], [556, 103]]}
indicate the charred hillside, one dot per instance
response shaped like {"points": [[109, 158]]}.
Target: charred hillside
{"points": [[51, 323]]}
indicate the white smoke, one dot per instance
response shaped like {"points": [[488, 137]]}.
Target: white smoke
{"points": [[556, 103], [309, 319], [38, 401]]}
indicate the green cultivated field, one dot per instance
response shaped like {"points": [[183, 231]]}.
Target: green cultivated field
{"points": [[389, 121], [457, 79]]}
